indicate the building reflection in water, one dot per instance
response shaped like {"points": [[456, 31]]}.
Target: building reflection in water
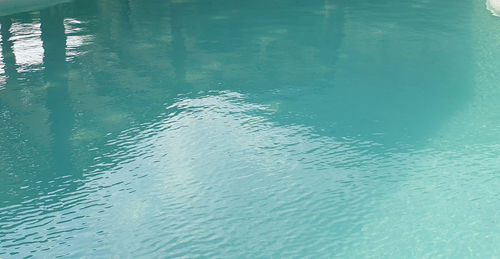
{"points": [[36, 101], [62, 101]]}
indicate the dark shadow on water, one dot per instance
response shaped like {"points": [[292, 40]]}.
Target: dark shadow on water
{"points": [[178, 42], [59, 103]]}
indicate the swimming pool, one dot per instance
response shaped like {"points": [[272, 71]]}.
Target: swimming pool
{"points": [[247, 129]]}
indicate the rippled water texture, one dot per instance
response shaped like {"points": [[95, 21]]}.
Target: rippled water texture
{"points": [[249, 129]]}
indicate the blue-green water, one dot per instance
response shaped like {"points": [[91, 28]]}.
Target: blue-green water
{"points": [[249, 129]]}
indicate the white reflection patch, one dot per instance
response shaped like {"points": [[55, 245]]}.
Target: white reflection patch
{"points": [[493, 6], [28, 46], [3, 78], [76, 38]]}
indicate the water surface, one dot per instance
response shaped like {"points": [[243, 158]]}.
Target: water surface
{"points": [[332, 128]]}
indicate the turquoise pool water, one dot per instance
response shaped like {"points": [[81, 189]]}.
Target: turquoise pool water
{"points": [[249, 129]]}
